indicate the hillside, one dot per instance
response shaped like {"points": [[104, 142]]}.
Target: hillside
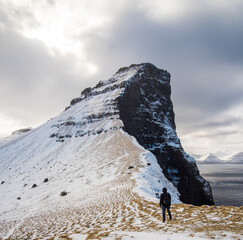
{"points": [[236, 158], [88, 172]]}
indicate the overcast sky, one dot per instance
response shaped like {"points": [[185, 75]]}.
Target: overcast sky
{"points": [[51, 50]]}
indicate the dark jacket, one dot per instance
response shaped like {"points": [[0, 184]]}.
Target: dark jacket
{"points": [[162, 198]]}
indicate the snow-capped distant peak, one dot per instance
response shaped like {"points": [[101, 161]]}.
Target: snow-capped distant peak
{"points": [[236, 158]]}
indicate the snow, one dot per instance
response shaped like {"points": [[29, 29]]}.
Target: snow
{"points": [[151, 235], [78, 236], [150, 179], [119, 78], [236, 158], [140, 236], [85, 152], [88, 166]]}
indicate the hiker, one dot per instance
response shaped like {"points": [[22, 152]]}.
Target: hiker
{"points": [[165, 202]]}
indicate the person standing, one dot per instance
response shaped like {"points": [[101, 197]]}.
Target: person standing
{"points": [[165, 203]]}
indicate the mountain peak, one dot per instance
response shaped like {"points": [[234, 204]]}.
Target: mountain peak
{"points": [[132, 66], [116, 143], [119, 79], [138, 98]]}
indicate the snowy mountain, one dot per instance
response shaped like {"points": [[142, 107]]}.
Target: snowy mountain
{"points": [[114, 146], [236, 158], [210, 158], [195, 156]]}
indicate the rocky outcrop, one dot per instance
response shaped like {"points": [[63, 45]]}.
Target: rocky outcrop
{"points": [[147, 113], [20, 131], [137, 100]]}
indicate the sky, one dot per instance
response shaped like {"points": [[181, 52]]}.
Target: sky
{"points": [[50, 50]]}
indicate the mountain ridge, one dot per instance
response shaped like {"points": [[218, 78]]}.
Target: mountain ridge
{"points": [[89, 153], [150, 119], [236, 158]]}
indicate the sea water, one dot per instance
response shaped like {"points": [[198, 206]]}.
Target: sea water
{"points": [[226, 181]]}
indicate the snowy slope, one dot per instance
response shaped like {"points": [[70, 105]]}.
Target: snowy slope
{"points": [[109, 181], [236, 158], [83, 151]]}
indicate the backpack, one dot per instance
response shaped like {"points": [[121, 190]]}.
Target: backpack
{"points": [[166, 199]]}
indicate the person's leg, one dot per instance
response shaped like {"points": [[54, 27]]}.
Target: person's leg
{"points": [[163, 209], [168, 210]]}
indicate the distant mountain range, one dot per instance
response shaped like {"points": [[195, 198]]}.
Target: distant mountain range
{"points": [[211, 158]]}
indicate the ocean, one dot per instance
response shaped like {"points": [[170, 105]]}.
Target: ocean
{"points": [[226, 181]]}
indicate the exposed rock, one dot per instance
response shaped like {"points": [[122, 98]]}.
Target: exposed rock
{"points": [[100, 84], [46, 180], [147, 113], [74, 101], [34, 186], [123, 69], [24, 130], [86, 91], [139, 96], [63, 193], [53, 135], [2, 182], [18, 198]]}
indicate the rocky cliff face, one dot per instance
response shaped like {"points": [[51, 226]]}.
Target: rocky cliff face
{"points": [[147, 113], [140, 97]]}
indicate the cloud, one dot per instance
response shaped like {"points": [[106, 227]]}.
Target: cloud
{"points": [[34, 84], [51, 2], [203, 75], [222, 123], [50, 50]]}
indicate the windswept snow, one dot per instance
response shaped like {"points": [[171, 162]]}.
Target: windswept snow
{"points": [[84, 152], [150, 179], [111, 181]]}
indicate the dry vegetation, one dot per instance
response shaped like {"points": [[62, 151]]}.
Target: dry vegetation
{"points": [[113, 207], [135, 215]]}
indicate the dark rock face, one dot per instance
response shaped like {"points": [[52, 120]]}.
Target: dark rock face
{"points": [[24, 130], [147, 113], [139, 95], [46, 180], [63, 193]]}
